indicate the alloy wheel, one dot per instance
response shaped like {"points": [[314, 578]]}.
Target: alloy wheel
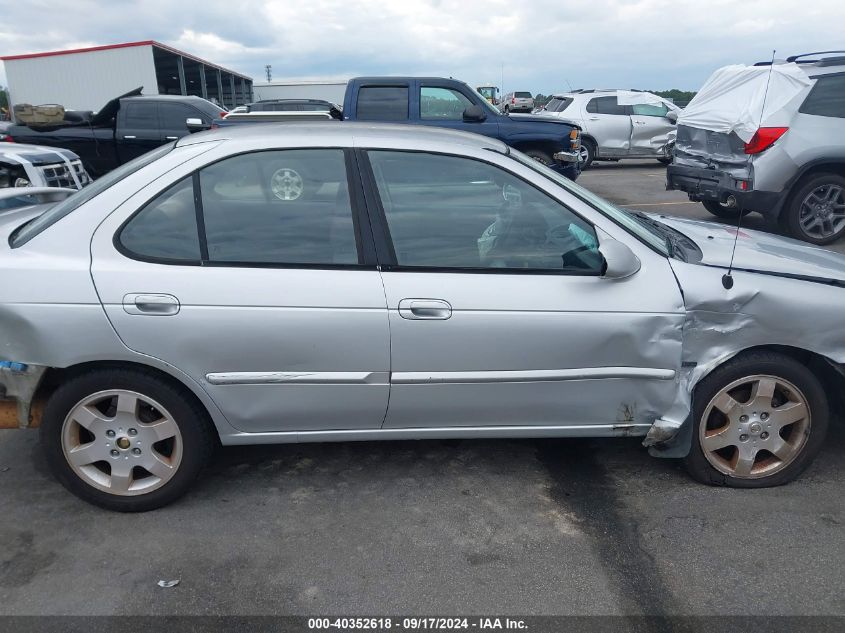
{"points": [[822, 212], [122, 442], [755, 427]]}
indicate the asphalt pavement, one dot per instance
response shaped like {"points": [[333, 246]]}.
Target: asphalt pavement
{"points": [[557, 527]]}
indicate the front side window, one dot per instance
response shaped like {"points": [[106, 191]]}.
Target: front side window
{"points": [[284, 207], [383, 103], [174, 116], [650, 109], [451, 212], [827, 97], [442, 104], [605, 105]]}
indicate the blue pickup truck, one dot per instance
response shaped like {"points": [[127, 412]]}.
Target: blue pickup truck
{"points": [[452, 104]]}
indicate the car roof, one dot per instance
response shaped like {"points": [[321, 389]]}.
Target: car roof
{"points": [[345, 134]]}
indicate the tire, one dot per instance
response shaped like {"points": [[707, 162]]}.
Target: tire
{"points": [[540, 156], [665, 161], [161, 427], [588, 153], [822, 194], [797, 442], [507, 110], [721, 211]]}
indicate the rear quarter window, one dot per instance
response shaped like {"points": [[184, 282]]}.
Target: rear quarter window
{"points": [[383, 103], [826, 98]]}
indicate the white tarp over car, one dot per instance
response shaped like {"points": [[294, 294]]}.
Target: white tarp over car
{"points": [[627, 97], [732, 98]]}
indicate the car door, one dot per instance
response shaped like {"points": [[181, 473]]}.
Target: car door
{"points": [[609, 124], [248, 276], [444, 107], [499, 315], [649, 129], [139, 129]]}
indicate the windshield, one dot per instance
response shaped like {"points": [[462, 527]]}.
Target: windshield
{"points": [[55, 213], [646, 231]]}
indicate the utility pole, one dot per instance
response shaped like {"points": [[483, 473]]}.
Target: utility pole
{"points": [[269, 70]]}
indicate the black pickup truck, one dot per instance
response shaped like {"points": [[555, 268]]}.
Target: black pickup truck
{"points": [[124, 128]]}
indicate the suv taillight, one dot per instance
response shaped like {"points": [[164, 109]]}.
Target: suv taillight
{"points": [[5, 138], [764, 138], [513, 99]]}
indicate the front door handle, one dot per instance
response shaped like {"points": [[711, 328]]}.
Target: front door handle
{"points": [[151, 304], [129, 136], [171, 138], [425, 309]]}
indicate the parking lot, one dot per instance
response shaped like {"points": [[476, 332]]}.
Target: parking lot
{"points": [[523, 527]]}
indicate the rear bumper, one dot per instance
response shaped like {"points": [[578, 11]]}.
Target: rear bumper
{"points": [[712, 185]]}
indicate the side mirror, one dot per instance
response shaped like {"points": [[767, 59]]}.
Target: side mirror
{"points": [[196, 125], [619, 260], [474, 113], [672, 115]]}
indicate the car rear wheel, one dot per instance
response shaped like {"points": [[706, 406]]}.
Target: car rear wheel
{"points": [[124, 439], [760, 420], [587, 153], [724, 211], [816, 211]]}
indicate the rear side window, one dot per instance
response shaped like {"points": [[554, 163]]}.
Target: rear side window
{"points": [[650, 109], [605, 105], [140, 114], [827, 97], [383, 103], [166, 228], [283, 207]]}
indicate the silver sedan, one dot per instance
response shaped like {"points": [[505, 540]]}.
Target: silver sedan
{"points": [[328, 282]]}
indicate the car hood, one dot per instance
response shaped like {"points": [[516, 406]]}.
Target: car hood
{"points": [[18, 153], [542, 118], [759, 252]]}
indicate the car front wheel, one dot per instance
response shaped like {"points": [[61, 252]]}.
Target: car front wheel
{"points": [[760, 419], [124, 439]]}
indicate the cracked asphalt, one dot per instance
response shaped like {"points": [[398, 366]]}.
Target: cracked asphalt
{"points": [[542, 527]]}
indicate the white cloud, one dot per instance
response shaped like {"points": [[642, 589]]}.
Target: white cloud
{"points": [[542, 44]]}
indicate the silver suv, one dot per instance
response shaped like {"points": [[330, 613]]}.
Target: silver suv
{"points": [[517, 102], [618, 124], [791, 168]]}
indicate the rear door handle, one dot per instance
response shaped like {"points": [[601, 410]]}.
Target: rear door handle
{"points": [[151, 304], [127, 136], [171, 138], [425, 309], [593, 118]]}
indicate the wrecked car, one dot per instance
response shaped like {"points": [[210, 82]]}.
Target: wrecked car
{"points": [[768, 138], [323, 282], [23, 165]]}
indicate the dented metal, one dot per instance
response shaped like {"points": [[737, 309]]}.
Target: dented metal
{"points": [[19, 382]]}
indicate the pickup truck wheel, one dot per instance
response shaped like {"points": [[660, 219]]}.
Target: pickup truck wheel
{"points": [[540, 156], [816, 211], [124, 439], [587, 153], [724, 211], [760, 420]]}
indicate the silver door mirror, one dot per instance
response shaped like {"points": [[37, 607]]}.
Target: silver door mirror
{"points": [[196, 125], [672, 115], [619, 260]]}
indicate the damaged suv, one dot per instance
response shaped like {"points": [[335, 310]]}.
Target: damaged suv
{"points": [[325, 282], [769, 138]]}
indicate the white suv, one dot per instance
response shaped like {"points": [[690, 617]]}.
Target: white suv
{"points": [[618, 124]]}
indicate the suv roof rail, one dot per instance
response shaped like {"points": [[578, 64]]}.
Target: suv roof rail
{"points": [[796, 58]]}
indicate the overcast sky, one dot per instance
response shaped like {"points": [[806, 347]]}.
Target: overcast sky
{"points": [[543, 45]]}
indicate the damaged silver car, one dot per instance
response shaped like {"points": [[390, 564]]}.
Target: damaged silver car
{"points": [[359, 282]]}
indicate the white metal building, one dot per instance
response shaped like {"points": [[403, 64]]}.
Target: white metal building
{"points": [[86, 78], [332, 90]]}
